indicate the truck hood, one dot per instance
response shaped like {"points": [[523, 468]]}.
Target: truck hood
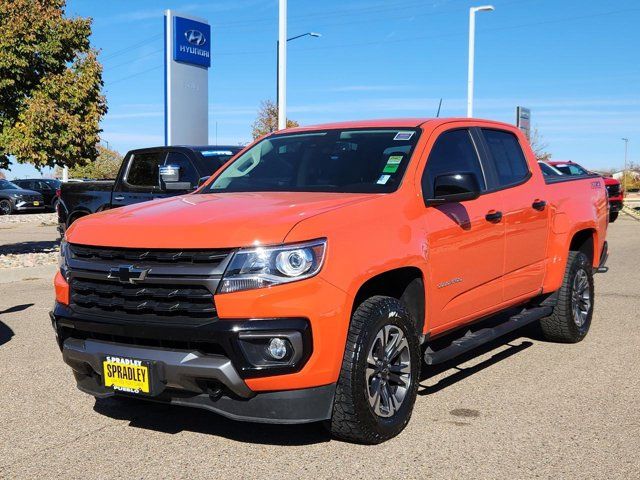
{"points": [[223, 220]]}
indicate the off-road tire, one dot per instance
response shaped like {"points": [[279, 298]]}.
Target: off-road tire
{"points": [[353, 417], [613, 216], [560, 325]]}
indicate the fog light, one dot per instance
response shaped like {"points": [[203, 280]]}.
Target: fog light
{"points": [[278, 348]]}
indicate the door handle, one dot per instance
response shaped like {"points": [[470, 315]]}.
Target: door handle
{"points": [[539, 205], [493, 216], [119, 197]]}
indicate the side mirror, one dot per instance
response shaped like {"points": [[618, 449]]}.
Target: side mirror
{"points": [[170, 176], [453, 188], [203, 180]]}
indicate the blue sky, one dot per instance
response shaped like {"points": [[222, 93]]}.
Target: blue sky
{"points": [[575, 63]]}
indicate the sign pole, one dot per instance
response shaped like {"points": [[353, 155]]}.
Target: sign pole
{"points": [[282, 65]]}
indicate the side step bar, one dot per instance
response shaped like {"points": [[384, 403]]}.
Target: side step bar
{"points": [[475, 339]]}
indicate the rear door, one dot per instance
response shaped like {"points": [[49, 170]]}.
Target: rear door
{"points": [[464, 243], [525, 212]]}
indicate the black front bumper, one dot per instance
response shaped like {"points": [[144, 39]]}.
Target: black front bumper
{"points": [[615, 206], [202, 365]]}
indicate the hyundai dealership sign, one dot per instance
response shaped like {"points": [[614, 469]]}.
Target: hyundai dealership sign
{"points": [[192, 42], [187, 61]]}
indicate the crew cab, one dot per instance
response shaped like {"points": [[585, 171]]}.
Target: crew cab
{"points": [[614, 187], [316, 274], [139, 179]]}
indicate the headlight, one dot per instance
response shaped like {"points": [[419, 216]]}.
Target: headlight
{"points": [[16, 196], [262, 267], [62, 258]]}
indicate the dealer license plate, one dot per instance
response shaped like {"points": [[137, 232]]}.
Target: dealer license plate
{"points": [[126, 374], [35, 204]]}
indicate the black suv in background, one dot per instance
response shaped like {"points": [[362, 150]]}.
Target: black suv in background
{"points": [[47, 187], [15, 199], [145, 174]]}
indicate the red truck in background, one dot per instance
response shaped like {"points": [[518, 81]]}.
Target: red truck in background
{"points": [[315, 275], [614, 187]]}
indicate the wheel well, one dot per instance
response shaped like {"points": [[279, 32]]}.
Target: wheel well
{"points": [[75, 217], [405, 284], [583, 242]]}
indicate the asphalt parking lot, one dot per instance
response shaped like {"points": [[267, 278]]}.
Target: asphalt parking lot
{"points": [[521, 408]]}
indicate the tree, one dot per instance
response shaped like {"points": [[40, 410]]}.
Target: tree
{"points": [[106, 166], [539, 146], [51, 98], [267, 120]]}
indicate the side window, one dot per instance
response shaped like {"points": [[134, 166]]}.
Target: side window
{"points": [[143, 169], [188, 172], [453, 152], [510, 163], [44, 186]]}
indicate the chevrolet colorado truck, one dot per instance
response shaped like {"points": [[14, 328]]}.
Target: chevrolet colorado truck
{"points": [[613, 186], [316, 274], [139, 179]]}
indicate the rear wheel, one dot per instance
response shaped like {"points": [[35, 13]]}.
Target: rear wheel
{"points": [[5, 207], [571, 317], [380, 373], [613, 216]]}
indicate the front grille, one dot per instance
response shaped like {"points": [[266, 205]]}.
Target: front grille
{"points": [[105, 296], [209, 257], [614, 190]]}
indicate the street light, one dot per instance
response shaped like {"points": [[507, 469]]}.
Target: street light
{"points": [[472, 34], [624, 174], [281, 71]]}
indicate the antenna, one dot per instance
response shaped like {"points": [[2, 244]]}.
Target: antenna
{"points": [[439, 105]]}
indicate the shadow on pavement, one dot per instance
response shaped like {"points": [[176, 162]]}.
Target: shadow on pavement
{"points": [[531, 331], [16, 308], [46, 246], [5, 333], [175, 419]]}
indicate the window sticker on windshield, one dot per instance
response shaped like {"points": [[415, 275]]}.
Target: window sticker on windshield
{"points": [[403, 136], [392, 164], [207, 153], [383, 179]]}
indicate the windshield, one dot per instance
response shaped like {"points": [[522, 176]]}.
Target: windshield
{"points": [[364, 161], [6, 185], [571, 169]]}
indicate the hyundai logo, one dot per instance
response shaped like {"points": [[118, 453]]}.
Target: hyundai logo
{"points": [[128, 274], [195, 37]]}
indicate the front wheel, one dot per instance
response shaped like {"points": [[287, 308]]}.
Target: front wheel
{"points": [[380, 372], [5, 207], [571, 317], [613, 216]]}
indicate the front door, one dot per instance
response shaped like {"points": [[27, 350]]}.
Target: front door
{"points": [[465, 241], [140, 181]]}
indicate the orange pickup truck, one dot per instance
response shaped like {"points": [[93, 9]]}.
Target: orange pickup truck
{"points": [[317, 273]]}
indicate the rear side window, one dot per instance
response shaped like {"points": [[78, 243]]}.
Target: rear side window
{"points": [[143, 169], [453, 152], [508, 159]]}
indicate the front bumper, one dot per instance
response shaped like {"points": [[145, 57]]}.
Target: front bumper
{"points": [[615, 205], [188, 370], [28, 206]]}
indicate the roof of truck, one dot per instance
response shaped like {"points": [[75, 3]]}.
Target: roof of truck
{"points": [[409, 122]]}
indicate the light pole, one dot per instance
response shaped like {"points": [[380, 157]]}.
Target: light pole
{"points": [[472, 41], [283, 107], [624, 174]]}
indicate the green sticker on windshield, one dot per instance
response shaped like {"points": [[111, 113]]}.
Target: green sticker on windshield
{"points": [[392, 164]]}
